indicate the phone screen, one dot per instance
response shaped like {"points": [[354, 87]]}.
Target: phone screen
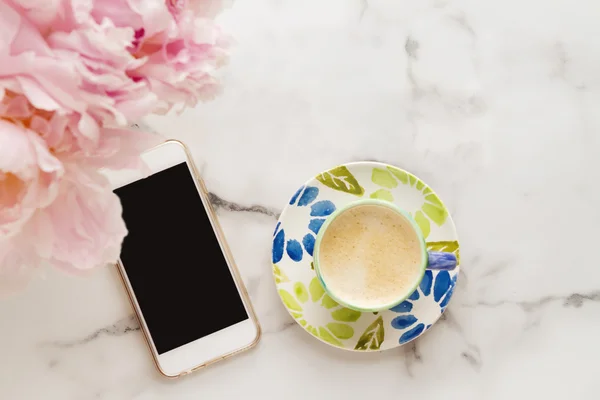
{"points": [[173, 260]]}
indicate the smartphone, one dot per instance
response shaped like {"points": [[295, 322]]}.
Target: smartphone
{"points": [[178, 271]]}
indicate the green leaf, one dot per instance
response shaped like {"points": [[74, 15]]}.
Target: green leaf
{"points": [[432, 198], [289, 301], [328, 302], [373, 336], [315, 289], [340, 331], [447, 246], [326, 336], [382, 194], [383, 178], [340, 178], [434, 208], [312, 330], [301, 292], [400, 174], [437, 214], [280, 276], [345, 315], [423, 223]]}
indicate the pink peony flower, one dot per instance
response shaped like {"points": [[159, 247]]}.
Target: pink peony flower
{"points": [[80, 230], [73, 75], [29, 176], [86, 221]]}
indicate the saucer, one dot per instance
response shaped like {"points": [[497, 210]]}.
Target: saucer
{"points": [[299, 287]]}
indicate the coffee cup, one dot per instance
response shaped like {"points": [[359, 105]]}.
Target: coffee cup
{"points": [[370, 255]]}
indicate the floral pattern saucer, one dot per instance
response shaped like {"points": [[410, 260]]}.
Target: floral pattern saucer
{"points": [[292, 256]]}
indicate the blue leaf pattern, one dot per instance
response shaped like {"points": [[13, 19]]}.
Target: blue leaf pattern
{"points": [[309, 195], [309, 243], [403, 321], [442, 285], [294, 250], [304, 197], [444, 302], [412, 333], [315, 224], [322, 208], [405, 306], [295, 196], [425, 284], [278, 243]]}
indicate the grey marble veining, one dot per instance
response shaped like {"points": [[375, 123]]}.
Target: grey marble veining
{"points": [[493, 104]]}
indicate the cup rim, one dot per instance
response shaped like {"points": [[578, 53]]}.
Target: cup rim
{"points": [[365, 202]]}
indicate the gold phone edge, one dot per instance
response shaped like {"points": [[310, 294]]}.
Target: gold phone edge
{"points": [[230, 262]]}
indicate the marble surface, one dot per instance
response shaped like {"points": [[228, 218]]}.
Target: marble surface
{"points": [[494, 104]]}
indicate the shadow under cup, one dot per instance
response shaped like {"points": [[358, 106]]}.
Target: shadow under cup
{"points": [[429, 260]]}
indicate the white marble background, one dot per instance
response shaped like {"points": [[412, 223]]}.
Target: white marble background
{"points": [[496, 104]]}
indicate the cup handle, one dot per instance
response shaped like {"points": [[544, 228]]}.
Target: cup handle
{"points": [[439, 260]]}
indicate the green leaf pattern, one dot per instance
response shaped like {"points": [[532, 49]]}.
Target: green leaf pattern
{"points": [[340, 178], [373, 336], [382, 194], [432, 210], [280, 276], [333, 332], [383, 178]]}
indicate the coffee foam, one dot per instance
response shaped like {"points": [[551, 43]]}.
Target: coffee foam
{"points": [[370, 256]]}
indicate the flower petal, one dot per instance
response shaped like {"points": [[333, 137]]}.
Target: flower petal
{"points": [[289, 301], [309, 195], [294, 250], [340, 331], [328, 302], [446, 300], [86, 217], [322, 208], [383, 178], [295, 196], [315, 224], [278, 244], [309, 243], [423, 223], [346, 315], [301, 292], [9, 26], [382, 194], [315, 289], [426, 283], [405, 306], [441, 286], [411, 334], [438, 214], [327, 337], [403, 321]]}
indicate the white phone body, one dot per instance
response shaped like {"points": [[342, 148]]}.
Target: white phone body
{"points": [[216, 346]]}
